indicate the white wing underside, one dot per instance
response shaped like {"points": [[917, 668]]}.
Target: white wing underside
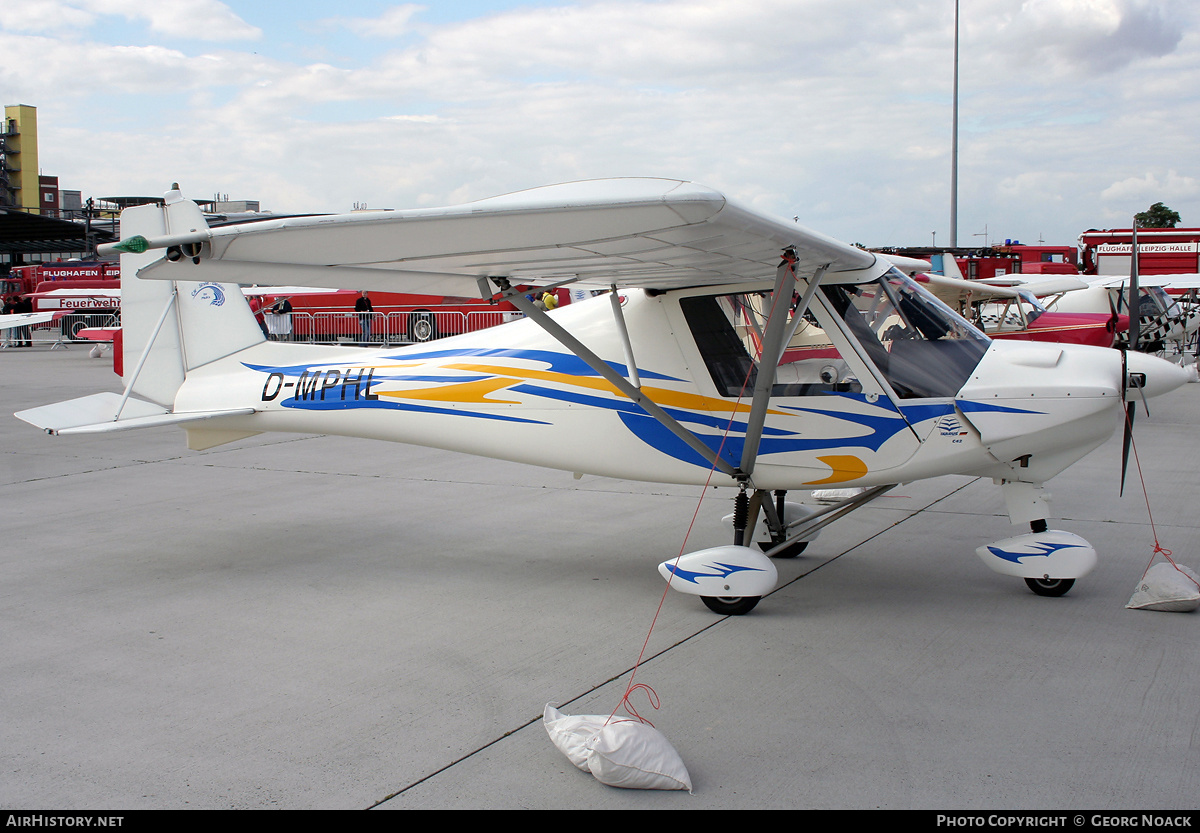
{"points": [[650, 233]]}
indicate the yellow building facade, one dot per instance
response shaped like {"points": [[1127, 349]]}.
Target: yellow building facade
{"points": [[21, 155]]}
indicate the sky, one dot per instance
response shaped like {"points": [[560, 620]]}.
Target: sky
{"points": [[1074, 114]]}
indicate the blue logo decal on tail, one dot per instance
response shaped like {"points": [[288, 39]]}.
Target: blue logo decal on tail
{"points": [[210, 292]]}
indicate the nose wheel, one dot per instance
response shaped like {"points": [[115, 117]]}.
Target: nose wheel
{"points": [[730, 605], [1050, 586]]}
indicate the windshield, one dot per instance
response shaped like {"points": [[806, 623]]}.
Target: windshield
{"points": [[921, 346], [1035, 306]]}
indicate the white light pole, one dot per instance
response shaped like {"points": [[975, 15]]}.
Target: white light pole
{"points": [[954, 143]]}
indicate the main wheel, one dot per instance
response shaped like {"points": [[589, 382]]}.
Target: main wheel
{"points": [[421, 326], [730, 605], [790, 551], [1050, 586]]}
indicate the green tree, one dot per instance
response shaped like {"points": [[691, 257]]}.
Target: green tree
{"points": [[1159, 216]]}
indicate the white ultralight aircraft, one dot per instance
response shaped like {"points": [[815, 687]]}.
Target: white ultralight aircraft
{"points": [[657, 374]]}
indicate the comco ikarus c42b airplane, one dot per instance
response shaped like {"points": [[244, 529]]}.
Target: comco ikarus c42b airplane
{"points": [[680, 371]]}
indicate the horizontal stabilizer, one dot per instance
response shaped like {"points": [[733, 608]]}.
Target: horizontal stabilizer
{"points": [[97, 414]]}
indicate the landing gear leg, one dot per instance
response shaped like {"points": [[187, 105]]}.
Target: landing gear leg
{"points": [[778, 532]]}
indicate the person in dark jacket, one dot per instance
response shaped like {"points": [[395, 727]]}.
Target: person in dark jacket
{"points": [[364, 309]]}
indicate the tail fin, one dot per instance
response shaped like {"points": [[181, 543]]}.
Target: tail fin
{"points": [[171, 326]]}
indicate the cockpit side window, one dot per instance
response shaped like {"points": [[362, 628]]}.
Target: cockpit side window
{"points": [[709, 317], [920, 346]]}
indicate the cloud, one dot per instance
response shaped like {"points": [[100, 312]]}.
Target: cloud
{"points": [[838, 114], [1086, 37], [43, 16], [1152, 187], [393, 23], [209, 20]]}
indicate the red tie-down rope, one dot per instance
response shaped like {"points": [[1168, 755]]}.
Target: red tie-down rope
{"points": [[625, 703], [1158, 548]]}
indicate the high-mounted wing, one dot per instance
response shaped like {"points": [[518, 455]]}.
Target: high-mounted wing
{"points": [[1039, 286], [955, 292], [1186, 280], [652, 233]]}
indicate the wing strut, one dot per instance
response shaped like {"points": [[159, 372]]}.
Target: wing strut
{"points": [[773, 342], [630, 363], [615, 379]]}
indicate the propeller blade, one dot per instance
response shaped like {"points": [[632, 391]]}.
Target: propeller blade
{"points": [[1127, 441], [1114, 319]]}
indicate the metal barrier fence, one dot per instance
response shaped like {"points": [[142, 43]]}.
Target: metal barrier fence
{"points": [[60, 332], [414, 326]]}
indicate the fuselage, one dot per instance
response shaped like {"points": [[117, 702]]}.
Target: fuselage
{"points": [[1016, 411]]}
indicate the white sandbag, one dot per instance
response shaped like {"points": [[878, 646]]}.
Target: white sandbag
{"points": [[1166, 588], [572, 733], [625, 753], [636, 756]]}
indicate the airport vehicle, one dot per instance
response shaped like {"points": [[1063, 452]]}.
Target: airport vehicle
{"points": [[656, 374], [397, 317], [24, 280], [1161, 251], [79, 293]]}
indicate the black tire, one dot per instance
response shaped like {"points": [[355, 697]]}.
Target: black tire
{"points": [[422, 326], [1050, 586], [730, 605], [791, 551], [73, 326]]}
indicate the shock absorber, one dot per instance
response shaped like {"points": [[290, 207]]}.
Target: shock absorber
{"points": [[741, 515]]}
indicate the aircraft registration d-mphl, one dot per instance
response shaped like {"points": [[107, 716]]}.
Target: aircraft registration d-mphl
{"points": [[661, 374]]}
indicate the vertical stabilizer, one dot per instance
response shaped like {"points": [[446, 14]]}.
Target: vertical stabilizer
{"points": [[172, 326]]}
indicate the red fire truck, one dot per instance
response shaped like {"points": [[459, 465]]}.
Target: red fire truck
{"points": [[88, 295], [1016, 258], [84, 294], [330, 316], [1161, 251]]}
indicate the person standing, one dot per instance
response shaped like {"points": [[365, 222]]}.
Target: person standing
{"points": [[24, 333], [279, 320], [364, 309], [10, 333]]}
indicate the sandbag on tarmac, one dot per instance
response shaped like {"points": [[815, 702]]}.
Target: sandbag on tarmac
{"points": [[570, 733], [624, 753], [1168, 587]]}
